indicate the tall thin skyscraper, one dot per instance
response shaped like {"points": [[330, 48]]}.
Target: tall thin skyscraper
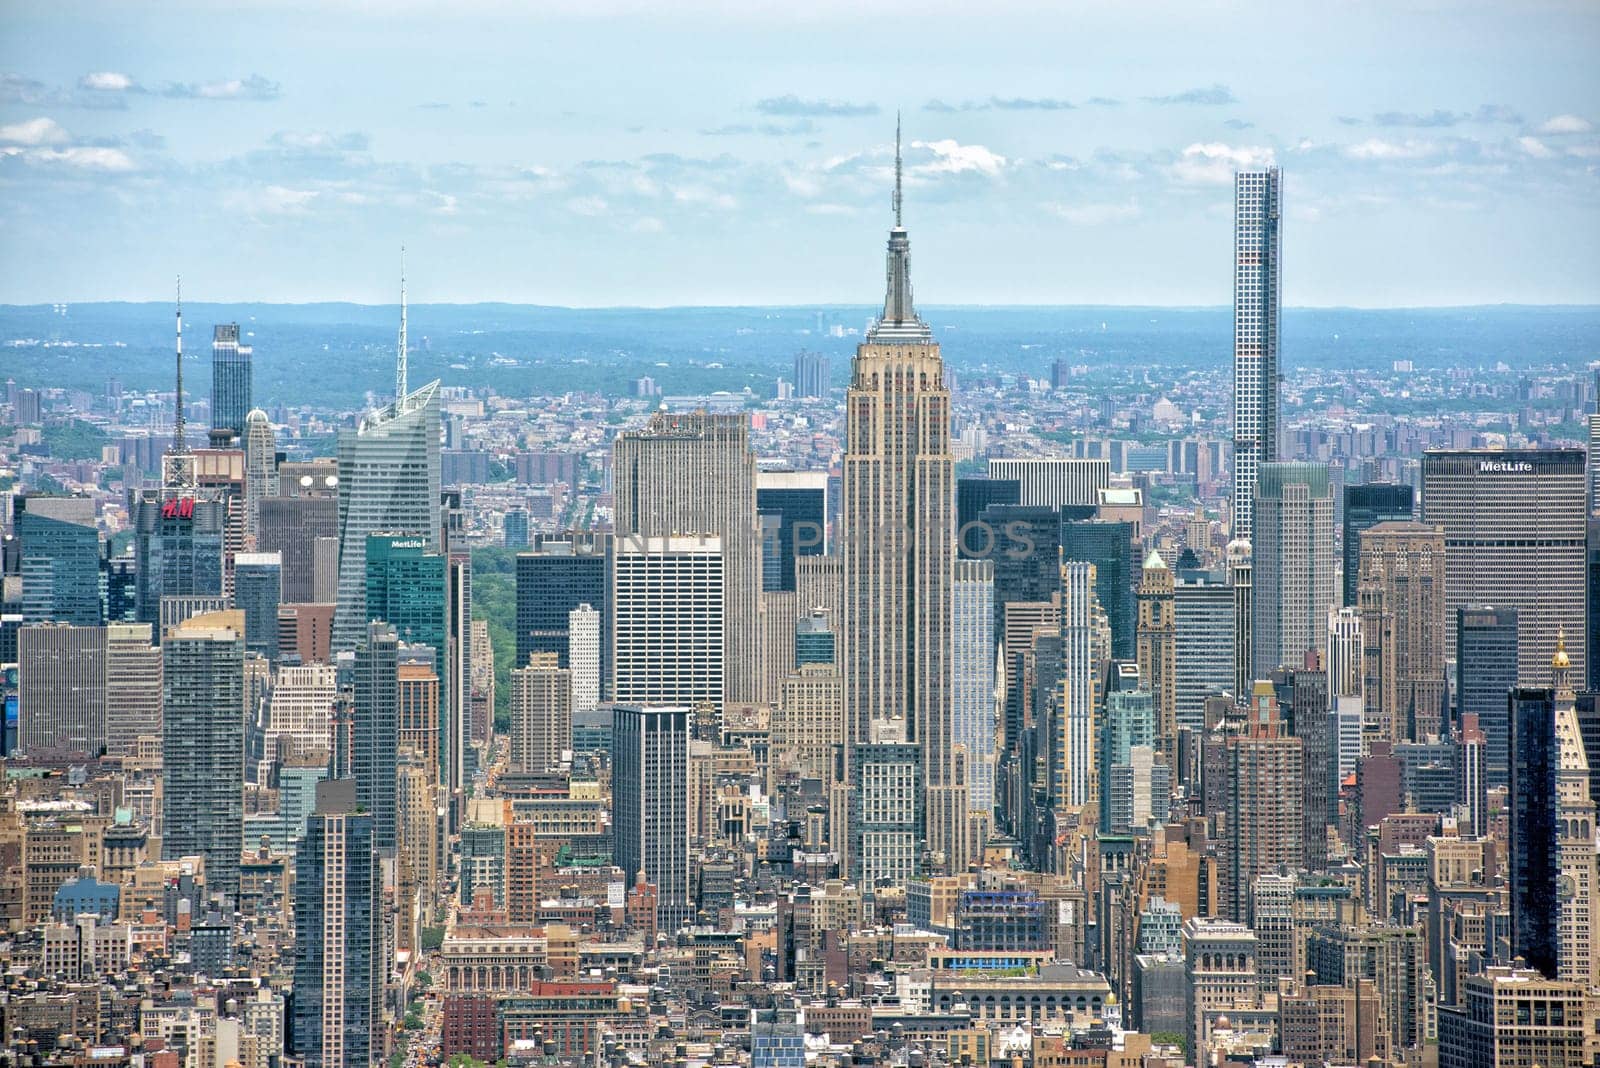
{"points": [[1486, 671], [1401, 598], [694, 473], [377, 729], [541, 713], [899, 542], [650, 783], [1156, 643], [133, 688], [972, 680], [1294, 564], [1264, 770], [230, 384], [1074, 777], [1256, 300], [1203, 638], [257, 592], [1241, 580], [202, 745], [1108, 545], [810, 375], [338, 946], [583, 641], [260, 471]]}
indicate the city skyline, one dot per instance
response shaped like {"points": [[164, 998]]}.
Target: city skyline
{"points": [[269, 179]]}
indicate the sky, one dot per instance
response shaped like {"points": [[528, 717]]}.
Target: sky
{"points": [[613, 152]]}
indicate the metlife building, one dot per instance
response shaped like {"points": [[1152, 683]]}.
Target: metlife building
{"points": [[1513, 523]]}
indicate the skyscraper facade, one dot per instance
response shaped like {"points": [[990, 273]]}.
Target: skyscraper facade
{"points": [[338, 947], [202, 745], [1294, 583], [59, 550], [133, 688], [1108, 545], [810, 375], [899, 544], [794, 512], [552, 580], [1256, 301], [1401, 599], [667, 630], [1514, 525], [1203, 647], [260, 471], [1265, 769], [230, 384], [61, 690], [694, 473], [1053, 481], [178, 547], [1365, 506], [972, 679], [1157, 651], [541, 713], [377, 730], [973, 495], [388, 481], [650, 799], [257, 592], [1486, 671], [583, 659]]}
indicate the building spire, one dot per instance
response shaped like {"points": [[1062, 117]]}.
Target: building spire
{"points": [[897, 172], [180, 443], [400, 365], [899, 322]]}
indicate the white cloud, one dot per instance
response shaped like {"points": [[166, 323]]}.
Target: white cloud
{"points": [[1377, 148], [647, 224], [106, 81], [1535, 147], [272, 200], [446, 204], [1215, 163], [39, 131], [952, 157], [590, 206], [1566, 124], [1096, 214], [86, 158]]}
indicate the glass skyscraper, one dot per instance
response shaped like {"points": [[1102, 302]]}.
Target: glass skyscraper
{"points": [[1108, 545], [388, 481], [230, 384], [60, 560], [1365, 507]]}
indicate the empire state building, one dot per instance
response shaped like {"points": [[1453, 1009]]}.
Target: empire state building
{"points": [[899, 553]]}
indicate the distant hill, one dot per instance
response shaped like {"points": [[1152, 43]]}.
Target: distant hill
{"points": [[335, 353]]}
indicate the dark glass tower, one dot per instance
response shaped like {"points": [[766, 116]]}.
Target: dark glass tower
{"points": [[1535, 834], [554, 579], [1486, 670], [1365, 507], [650, 770], [973, 495], [377, 730], [1109, 547], [794, 513], [60, 560], [230, 384]]}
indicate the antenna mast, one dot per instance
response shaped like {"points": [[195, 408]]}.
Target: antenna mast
{"points": [[400, 366], [897, 170], [180, 443]]}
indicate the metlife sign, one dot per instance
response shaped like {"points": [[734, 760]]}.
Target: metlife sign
{"points": [[1504, 467]]}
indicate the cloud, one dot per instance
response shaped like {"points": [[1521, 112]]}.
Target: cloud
{"points": [[78, 157], [1215, 163], [951, 157], [108, 81], [433, 105], [1566, 124], [255, 87], [591, 207], [1095, 214], [1433, 120], [1238, 124], [792, 107], [477, 103], [1213, 95], [319, 141], [40, 131], [272, 200], [998, 103], [15, 89], [798, 128], [1498, 113], [1104, 102], [147, 138], [1535, 147], [1377, 148]]}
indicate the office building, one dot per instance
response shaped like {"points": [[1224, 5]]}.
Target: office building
{"points": [[1511, 1017], [1128, 736], [809, 720], [300, 711], [1486, 672], [794, 514], [61, 690], [583, 659], [814, 640], [1514, 527], [974, 717], [650, 796], [260, 472], [1220, 973], [1257, 298], [1264, 779], [417, 706], [177, 546], [202, 745], [554, 579], [1401, 599], [974, 494], [1552, 851], [887, 823], [257, 591], [1202, 646], [1053, 481], [1108, 545], [1293, 575], [1073, 775], [230, 384], [133, 689], [1365, 506], [694, 473], [811, 375], [514, 531], [1157, 651], [388, 481], [541, 714], [1241, 580], [339, 956], [1346, 657], [59, 559], [301, 524], [667, 627], [376, 732]]}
